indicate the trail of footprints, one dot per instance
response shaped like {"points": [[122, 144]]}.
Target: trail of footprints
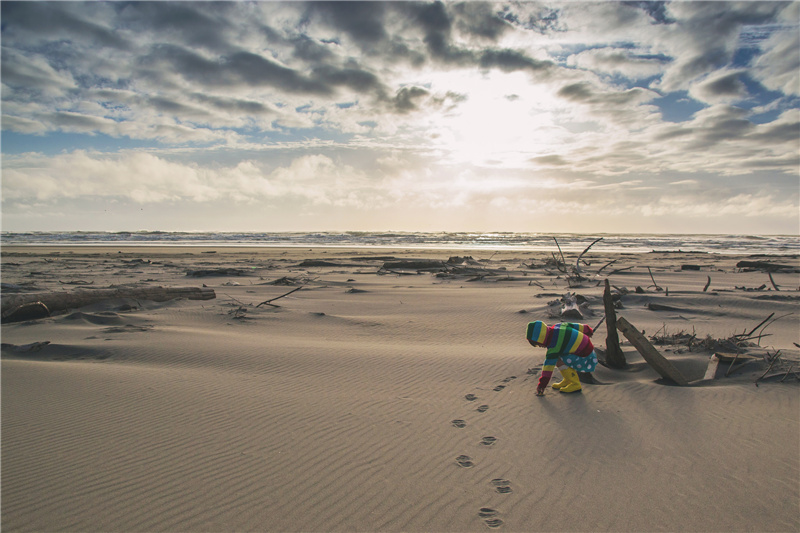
{"points": [[490, 516]]}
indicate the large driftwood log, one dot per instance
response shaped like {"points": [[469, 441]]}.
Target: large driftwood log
{"points": [[614, 356], [59, 301], [661, 364]]}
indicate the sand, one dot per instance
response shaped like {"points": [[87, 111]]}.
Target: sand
{"points": [[350, 407]]}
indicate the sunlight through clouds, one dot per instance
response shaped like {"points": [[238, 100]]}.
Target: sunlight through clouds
{"points": [[531, 116]]}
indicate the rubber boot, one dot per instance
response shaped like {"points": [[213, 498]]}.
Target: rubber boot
{"points": [[574, 384], [564, 378]]}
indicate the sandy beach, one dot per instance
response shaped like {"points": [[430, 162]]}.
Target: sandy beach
{"points": [[379, 396]]}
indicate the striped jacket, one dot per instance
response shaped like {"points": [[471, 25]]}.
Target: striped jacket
{"points": [[561, 339]]}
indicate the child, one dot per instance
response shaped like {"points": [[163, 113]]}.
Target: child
{"points": [[568, 347]]}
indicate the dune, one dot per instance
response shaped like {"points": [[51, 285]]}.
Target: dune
{"points": [[393, 399]]}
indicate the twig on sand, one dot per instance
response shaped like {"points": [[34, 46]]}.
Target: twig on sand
{"points": [[654, 280], [563, 261], [774, 358], [769, 273], [755, 328], [607, 264], [619, 270], [269, 302], [707, 284]]}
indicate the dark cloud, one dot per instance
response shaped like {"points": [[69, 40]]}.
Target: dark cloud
{"points": [[779, 133], [309, 50], [353, 78], [240, 68], [55, 20], [361, 21], [725, 86], [232, 105], [656, 10], [550, 160], [584, 92], [197, 24], [407, 99], [546, 20], [511, 60], [481, 20]]}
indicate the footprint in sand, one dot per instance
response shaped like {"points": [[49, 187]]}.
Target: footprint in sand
{"points": [[503, 486], [489, 516], [464, 461], [488, 441], [483, 408], [459, 423], [471, 397], [509, 378], [499, 388]]}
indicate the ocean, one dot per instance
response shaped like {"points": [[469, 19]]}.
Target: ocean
{"points": [[631, 243]]}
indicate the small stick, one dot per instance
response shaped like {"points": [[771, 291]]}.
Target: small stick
{"points": [[707, 284], [654, 279], [787, 373], [755, 328], [599, 323], [773, 281], [732, 363], [775, 358], [607, 264], [278, 297], [578, 262], [563, 261], [620, 270]]}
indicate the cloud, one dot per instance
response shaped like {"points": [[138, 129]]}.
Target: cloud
{"points": [[721, 87], [621, 61], [563, 92], [777, 68]]}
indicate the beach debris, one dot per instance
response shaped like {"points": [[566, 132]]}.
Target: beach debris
{"points": [[215, 272], [269, 302], [318, 263], [711, 370], [578, 262], [766, 266], [654, 285], [707, 284], [774, 285], [26, 311], [653, 306], [418, 265], [60, 301], [661, 364], [615, 358], [286, 280]]}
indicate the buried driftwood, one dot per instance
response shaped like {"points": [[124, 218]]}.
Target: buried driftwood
{"points": [[661, 364], [59, 301], [614, 356]]}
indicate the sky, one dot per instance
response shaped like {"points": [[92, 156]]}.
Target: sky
{"points": [[567, 116]]}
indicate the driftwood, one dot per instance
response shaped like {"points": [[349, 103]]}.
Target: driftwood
{"points": [[765, 265], [661, 364], [414, 264], [216, 272], [59, 301], [268, 302], [614, 356], [578, 262]]}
